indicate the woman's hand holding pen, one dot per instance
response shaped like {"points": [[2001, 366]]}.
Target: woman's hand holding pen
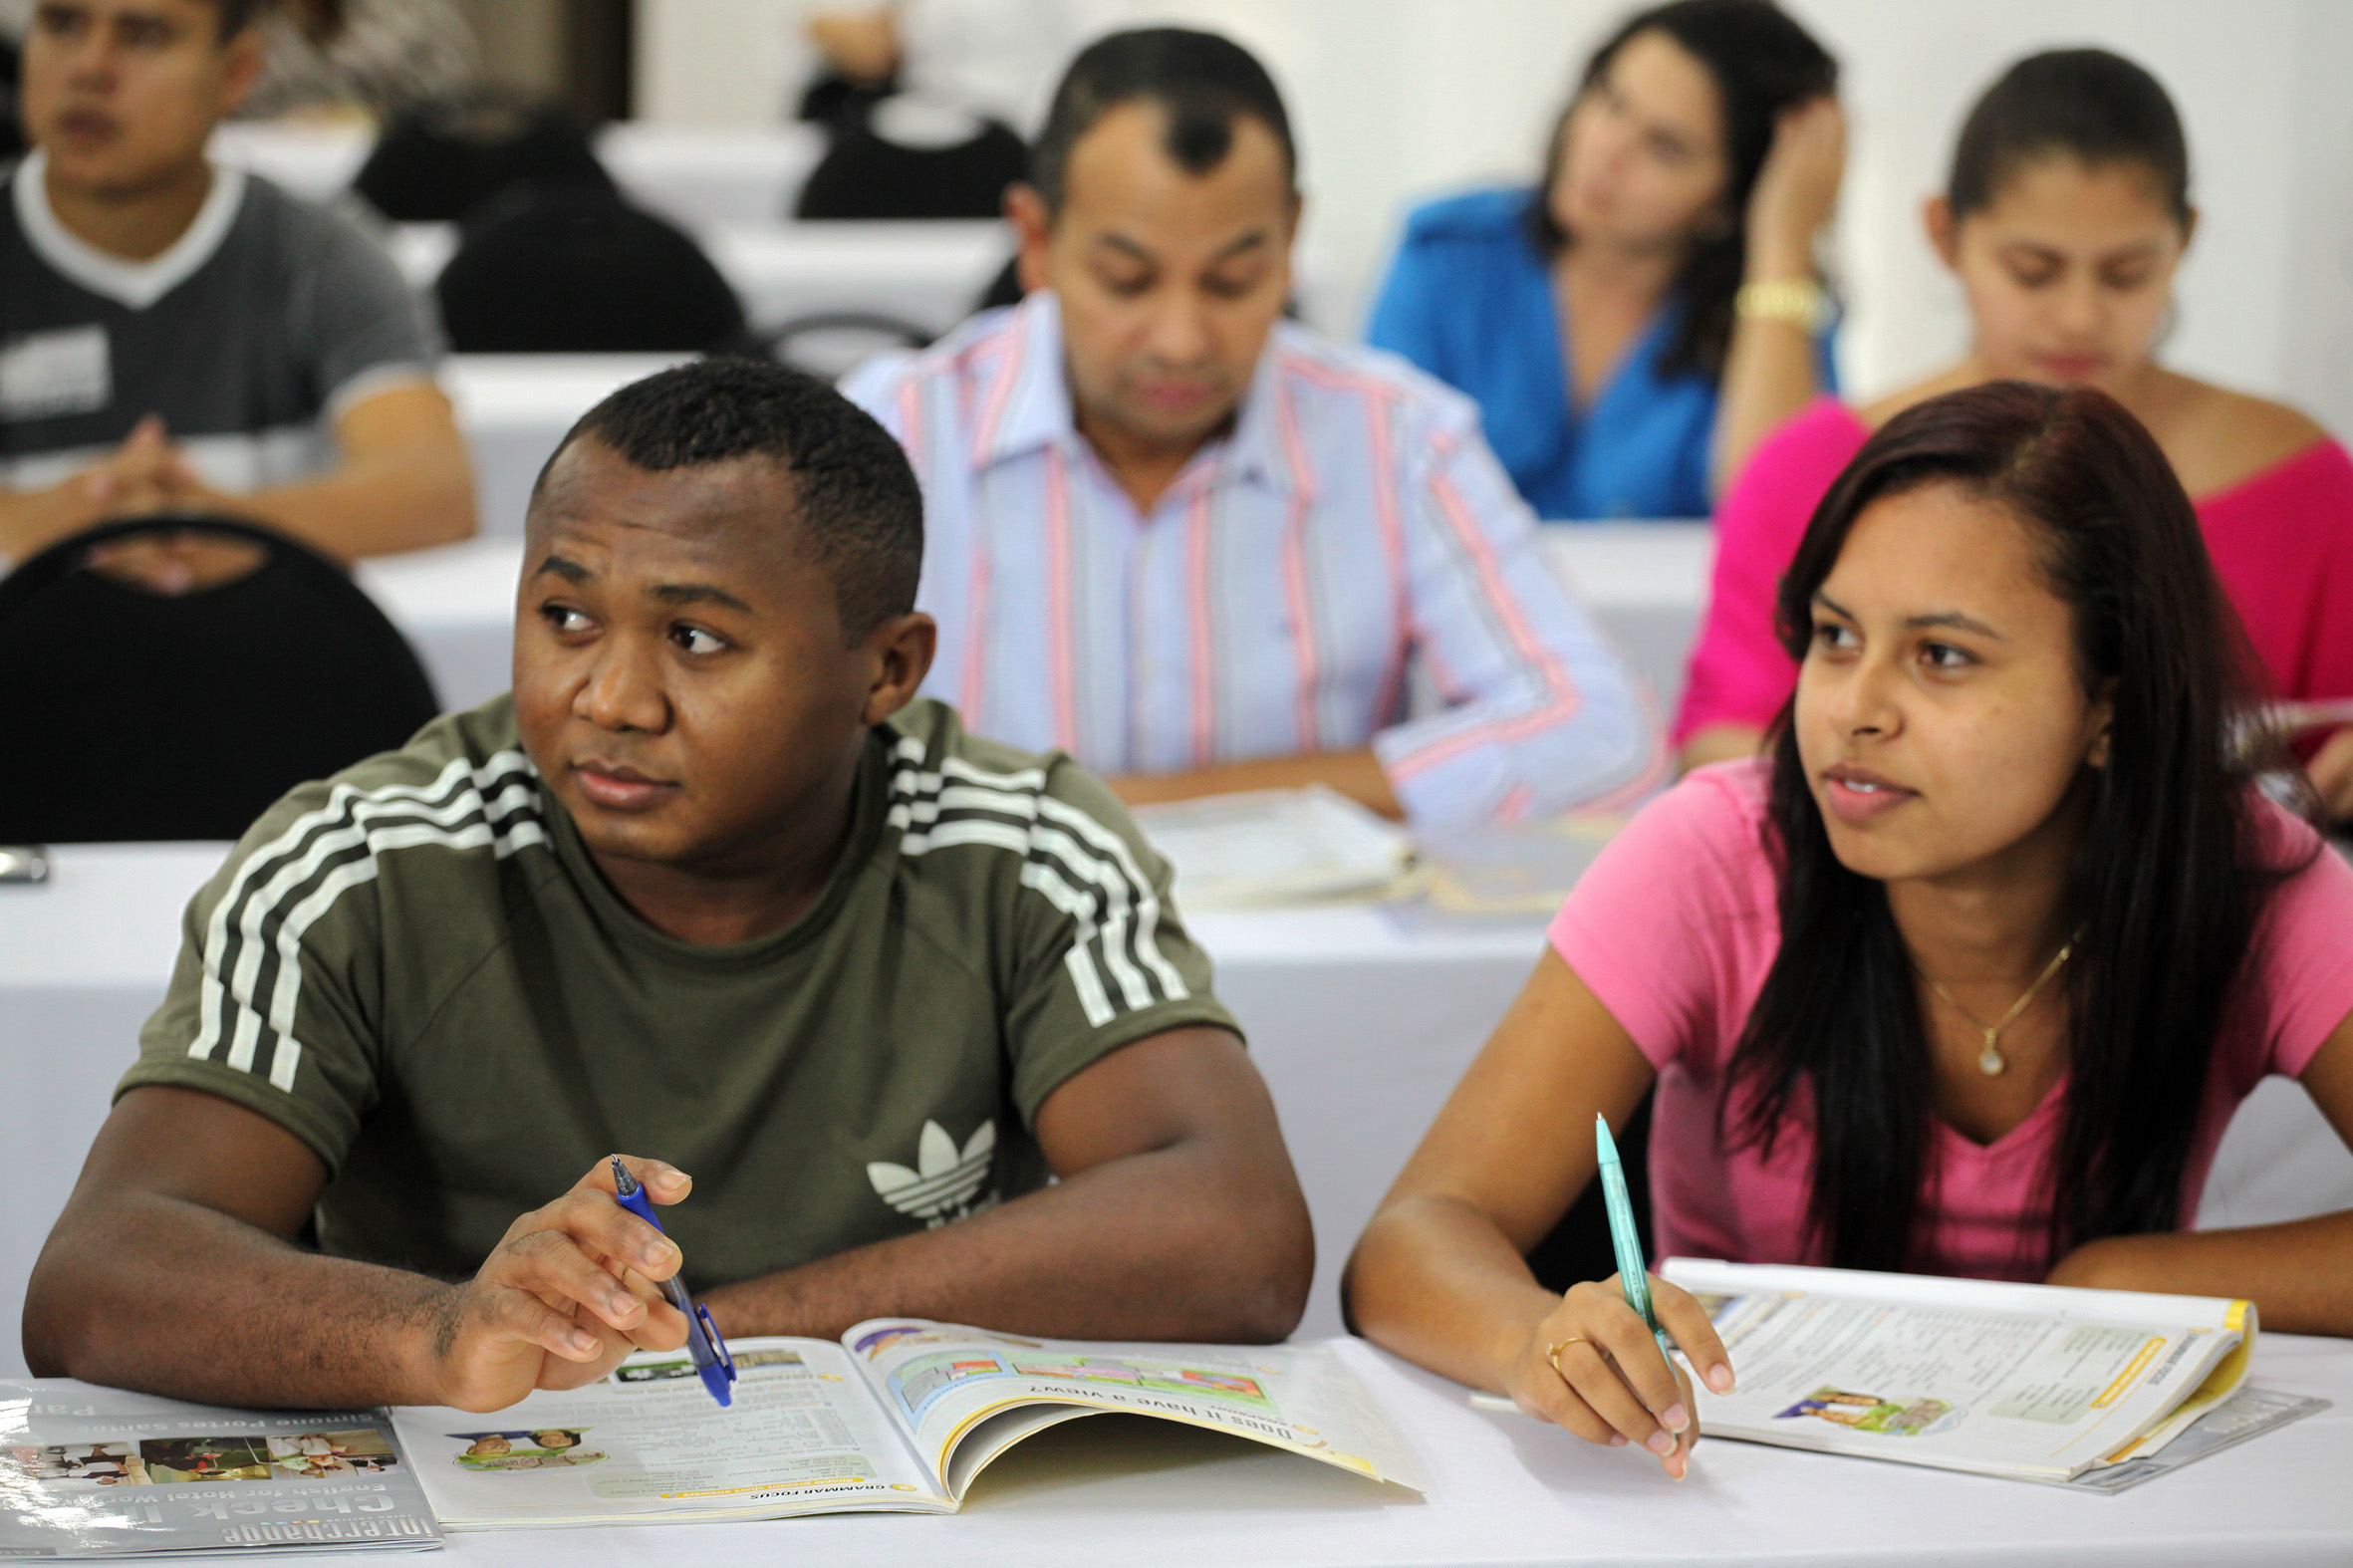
{"points": [[1592, 1366], [571, 1289]]}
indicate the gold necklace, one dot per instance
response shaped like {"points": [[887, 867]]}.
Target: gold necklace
{"points": [[1990, 1061]]}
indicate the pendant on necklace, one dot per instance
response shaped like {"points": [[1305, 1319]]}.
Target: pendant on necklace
{"points": [[1989, 1061]]}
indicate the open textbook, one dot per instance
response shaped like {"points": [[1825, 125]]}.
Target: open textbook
{"points": [[2083, 1388], [898, 1417], [88, 1471]]}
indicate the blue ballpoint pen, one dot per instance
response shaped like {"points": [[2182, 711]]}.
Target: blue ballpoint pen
{"points": [[1634, 1275], [712, 1361]]}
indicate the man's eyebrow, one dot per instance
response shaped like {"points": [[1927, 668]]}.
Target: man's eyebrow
{"points": [[1127, 247], [1256, 239], [700, 594], [569, 571]]}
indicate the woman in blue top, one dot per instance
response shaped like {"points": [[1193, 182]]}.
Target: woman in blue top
{"points": [[1642, 318]]}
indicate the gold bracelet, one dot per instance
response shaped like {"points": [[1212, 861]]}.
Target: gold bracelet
{"points": [[1800, 302]]}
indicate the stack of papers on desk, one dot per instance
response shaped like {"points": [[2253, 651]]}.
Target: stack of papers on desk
{"points": [[1275, 845], [99, 1472]]}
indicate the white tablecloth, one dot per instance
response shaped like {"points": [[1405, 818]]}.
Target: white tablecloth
{"points": [[697, 175], [515, 407], [456, 607], [1645, 582], [693, 175], [1360, 1027], [1127, 1493], [928, 275]]}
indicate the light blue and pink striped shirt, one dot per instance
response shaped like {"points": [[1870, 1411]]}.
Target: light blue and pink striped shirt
{"points": [[1353, 521]]}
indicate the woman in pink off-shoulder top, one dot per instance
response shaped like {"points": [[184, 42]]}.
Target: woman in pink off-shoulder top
{"points": [[2065, 216]]}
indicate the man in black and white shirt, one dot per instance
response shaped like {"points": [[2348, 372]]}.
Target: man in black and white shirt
{"points": [[175, 335]]}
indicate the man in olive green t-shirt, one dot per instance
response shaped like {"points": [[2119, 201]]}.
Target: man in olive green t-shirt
{"points": [[711, 889]]}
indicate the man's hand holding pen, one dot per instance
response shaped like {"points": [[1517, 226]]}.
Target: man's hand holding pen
{"points": [[572, 1288]]}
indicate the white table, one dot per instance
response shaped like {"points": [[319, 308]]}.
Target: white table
{"points": [[314, 162], [456, 607], [515, 407], [1128, 1493], [1643, 581], [691, 175], [1646, 584], [926, 274], [697, 175], [84, 960], [1360, 1028], [733, 189]]}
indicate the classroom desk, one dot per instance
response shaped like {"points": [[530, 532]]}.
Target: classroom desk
{"points": [[1645, 582], [1130, 1492], [1361, 1022], [693, 175], [317, 163], [514, 408], [456, 607], [697, 175], [929, 275]]}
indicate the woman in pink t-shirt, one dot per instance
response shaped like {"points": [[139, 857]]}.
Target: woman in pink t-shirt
{"points": [[1966, 978], [2064, 218]]}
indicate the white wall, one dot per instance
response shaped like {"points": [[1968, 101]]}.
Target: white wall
{"points": [[1398, 99]]}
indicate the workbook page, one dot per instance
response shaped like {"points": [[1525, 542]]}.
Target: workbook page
{"points": [[802, 1437], [955, 1387], [2000, 1378]]}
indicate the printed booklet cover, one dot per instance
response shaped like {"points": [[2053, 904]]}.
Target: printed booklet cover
{"points": [[2081, 1387], [898, 1417], [87, 1471]]}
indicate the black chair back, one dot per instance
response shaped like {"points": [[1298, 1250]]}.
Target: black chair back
{"points": [[12, 128], [441, 160], [583, 272], [863, 175], [140, 716]]}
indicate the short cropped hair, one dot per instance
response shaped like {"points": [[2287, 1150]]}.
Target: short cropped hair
{"points": [[1202, 81], [861, 514]]}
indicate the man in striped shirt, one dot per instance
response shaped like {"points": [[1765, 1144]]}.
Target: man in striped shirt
{"points": [[1198, 547], [709, 888]]}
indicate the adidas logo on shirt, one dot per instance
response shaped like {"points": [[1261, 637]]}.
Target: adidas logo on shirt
{"points": [[945, 1180]]}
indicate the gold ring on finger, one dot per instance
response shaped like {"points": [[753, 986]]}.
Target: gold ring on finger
{"points": [[1553, 1350]]}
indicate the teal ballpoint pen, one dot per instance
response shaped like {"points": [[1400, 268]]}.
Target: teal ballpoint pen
{"points": [[1633, 1274]]}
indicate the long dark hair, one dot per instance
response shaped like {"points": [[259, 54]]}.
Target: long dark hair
{"points": [[1762, 63], [2097, 107], [2165, 886]]}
